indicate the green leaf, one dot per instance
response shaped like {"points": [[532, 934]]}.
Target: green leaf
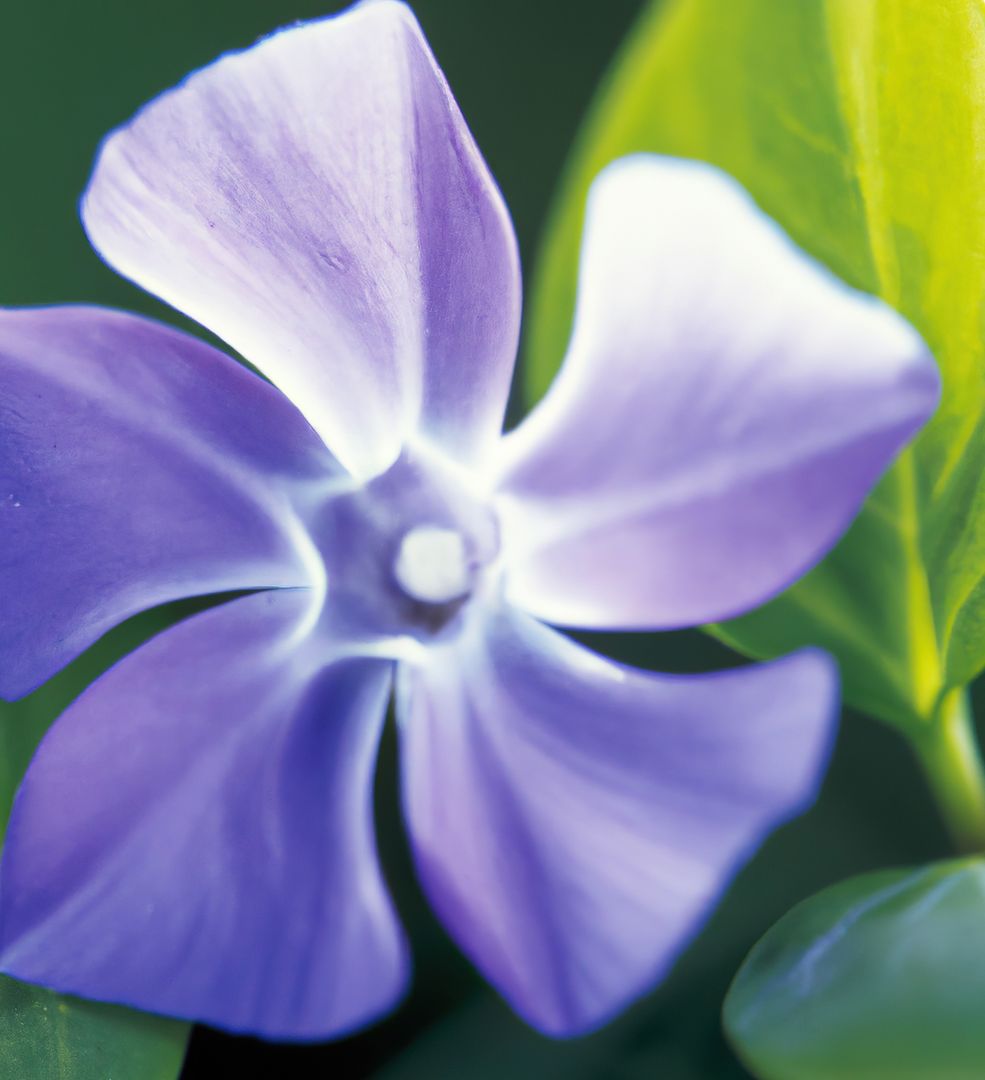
{"points": [[877, 978], [860, 127], [59, 1038]]}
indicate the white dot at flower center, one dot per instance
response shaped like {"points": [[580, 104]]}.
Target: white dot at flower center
{"points": [[432, 565]]}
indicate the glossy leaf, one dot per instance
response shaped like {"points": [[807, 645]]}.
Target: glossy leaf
{"points": [[59, 1038], [859, 127], [878, 977]]}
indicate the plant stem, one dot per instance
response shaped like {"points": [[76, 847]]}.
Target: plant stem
{"points": [[948, 750]]}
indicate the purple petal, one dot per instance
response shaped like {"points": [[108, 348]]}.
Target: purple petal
{"points": [[725, 407], [319, 203], [195, 835], [573, 821], [137, 466]]}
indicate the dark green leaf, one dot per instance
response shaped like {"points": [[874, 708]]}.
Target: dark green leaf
{"points": [[43, 1035], [881, 977]]}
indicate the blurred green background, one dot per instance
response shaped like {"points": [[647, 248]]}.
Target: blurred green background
{"points": [[523, 73]]}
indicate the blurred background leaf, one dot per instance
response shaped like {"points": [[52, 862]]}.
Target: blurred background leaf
{"points": [[859, 127], [877, 978], [48, 1037]]}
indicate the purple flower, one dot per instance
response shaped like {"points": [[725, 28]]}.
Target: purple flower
{"points": [[195, 834]]}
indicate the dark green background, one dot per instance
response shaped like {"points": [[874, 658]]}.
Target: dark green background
{"points": [[523, 73]]}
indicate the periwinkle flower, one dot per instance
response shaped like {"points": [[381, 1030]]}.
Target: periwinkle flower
{"points": [[195, 833]]}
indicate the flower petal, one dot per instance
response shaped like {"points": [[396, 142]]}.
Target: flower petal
{"points": [[319, 203], [573, 820], [137, 465], [195, 834], [725, 407]]}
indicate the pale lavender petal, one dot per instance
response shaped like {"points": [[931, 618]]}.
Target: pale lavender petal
{"points": [[573, 820], [725, 407], [319, 203], [137, 466], [195, 834]]}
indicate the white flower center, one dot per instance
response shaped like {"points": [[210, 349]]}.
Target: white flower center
{"points": [[432, 565]]}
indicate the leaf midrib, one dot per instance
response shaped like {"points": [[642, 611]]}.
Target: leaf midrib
{"points": [[858, 103]]}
